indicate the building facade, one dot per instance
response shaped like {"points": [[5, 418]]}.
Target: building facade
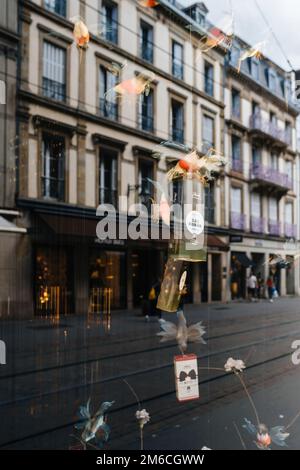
{"points": [[79, 147], [83, 148], [11, 232], [263, 179]]}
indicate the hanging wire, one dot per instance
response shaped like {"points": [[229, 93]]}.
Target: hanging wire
{"points": [[274, 35]]}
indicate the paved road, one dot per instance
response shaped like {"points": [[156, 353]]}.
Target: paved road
{"points": [[53, 367]]}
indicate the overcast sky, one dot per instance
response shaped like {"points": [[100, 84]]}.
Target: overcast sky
{"points": [[283, 17]]}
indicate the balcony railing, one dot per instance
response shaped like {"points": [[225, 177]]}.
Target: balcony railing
{"points": [[271, 175], [274, 228], [147, 52], [237, 220], [108, 109], [290, 230], [54, 90], [237, 165], [257, 224], [177, 135], [146, 123], [269, 128]]}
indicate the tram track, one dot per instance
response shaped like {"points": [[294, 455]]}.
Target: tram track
{"points": [[270, 340], [119, 356]]}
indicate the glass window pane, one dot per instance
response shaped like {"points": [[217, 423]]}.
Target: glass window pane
{"points": [[273, 209], [236, 200]]}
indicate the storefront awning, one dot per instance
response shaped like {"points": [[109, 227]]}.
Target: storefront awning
{"points": [[74, 226], [214, 242], [7, 226], [244, 260]]}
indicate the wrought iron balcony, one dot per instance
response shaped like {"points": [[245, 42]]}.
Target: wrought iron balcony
{"points": [[237, 220], [263, 127], [270, 176], [54, 90], [108, 109], [257, 224], [290, 230], [274, 228]]}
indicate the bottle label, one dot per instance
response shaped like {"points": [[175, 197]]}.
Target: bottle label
{"points": [[195, 223]]}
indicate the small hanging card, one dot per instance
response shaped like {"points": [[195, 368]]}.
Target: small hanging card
{"points": [[186, 377]]}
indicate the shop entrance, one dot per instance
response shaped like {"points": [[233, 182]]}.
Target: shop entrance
{"points": [[239, 264], [258, 264], [54, 294], [107, 286], [146, 271]]}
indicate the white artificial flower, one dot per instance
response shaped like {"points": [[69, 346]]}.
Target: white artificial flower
{"points": [[205, 448], [143, 417], [234, 365]]}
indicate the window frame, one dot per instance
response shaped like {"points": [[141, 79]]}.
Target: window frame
{"points": [[211, 66], [104, 67], [139, 114], [236, 92], [149, 26], [46, 131], [144, 158], [206, 115], [58, 14], [258, 196], [241, 190], [290, 204], [62, 42], [114, 4], [174, 98], [271, 199], [255, 65], [173, 43], [108, 148]]}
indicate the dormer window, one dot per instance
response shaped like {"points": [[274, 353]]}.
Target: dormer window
{"points": [[235, 55], [271, 79], [197, 12], [200, 18], [255, 68]]}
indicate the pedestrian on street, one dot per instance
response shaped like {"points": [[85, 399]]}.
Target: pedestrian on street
{"points": [[152, 297], [270, 286], [260, 286], [252, 286]]}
